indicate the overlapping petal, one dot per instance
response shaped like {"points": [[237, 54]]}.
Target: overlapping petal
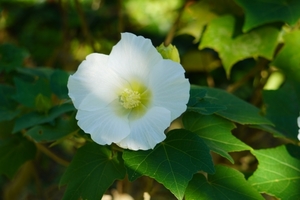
{"points": [[93, 85], [169, 87], [104, 125], [133, 57], [147, 131]]}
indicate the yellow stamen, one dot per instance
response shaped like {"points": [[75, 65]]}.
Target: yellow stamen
{"points": [[130, 99]]}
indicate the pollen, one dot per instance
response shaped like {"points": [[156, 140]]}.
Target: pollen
{"points": [[130, 99]]}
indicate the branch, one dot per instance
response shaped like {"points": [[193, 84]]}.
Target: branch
{"points": [[171, 33], [50, 154]]}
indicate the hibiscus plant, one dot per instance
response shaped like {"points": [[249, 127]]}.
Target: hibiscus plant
{"points": [[211, 112]]}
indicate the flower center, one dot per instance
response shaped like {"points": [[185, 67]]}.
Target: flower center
{"points": [[130, 99]]}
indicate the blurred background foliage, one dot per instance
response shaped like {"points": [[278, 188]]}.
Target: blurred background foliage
{"points": [[42, 41]]}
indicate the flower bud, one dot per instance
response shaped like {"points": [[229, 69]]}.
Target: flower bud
{"points": [[169, 52], [42, 103]]}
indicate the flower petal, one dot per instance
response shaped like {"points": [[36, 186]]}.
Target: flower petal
{"points": [[134, 62], [170, 90], [147, 131], [93, 86], [133, 57], [103, 125]]}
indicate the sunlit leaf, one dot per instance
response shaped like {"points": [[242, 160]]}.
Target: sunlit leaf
{"points": [[172, 162], [235, 107], [287, 60], [260, 12], [226, 183], [15, 151], [219, 36], [278, 173], [35, 118], [282, 108], [93, 169], [198, 14], [215, 132], [47, 132], [149, 10]]}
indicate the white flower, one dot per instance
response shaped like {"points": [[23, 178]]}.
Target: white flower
{"points": [[130, 96], [298, 122]]}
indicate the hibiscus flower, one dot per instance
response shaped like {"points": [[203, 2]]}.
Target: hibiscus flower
{"points": [[130, 96]]}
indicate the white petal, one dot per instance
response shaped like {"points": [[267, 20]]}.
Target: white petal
{"points": [[298, 135], [133, 57], [103, 125], [169, 87], [147, 131], [298, 121], [93, 86]]}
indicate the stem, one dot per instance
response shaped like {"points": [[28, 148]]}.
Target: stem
{"points": [[50, 154], [115, 147], [173, 29]]}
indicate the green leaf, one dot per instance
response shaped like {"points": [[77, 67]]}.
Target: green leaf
{"points": [[219, 36], [198, 14], [172, 162], [278, 173], [236, 108], [287, 60], [282, 108], [196, 17], [35, 118], [11, 57], [196, 95], [26, 92], [261, 12], [226, 183], [57, 79], [8, 109], [215, 132], [48, 133], [201, 103], [93, 169], [58, 83], [15, 151]]}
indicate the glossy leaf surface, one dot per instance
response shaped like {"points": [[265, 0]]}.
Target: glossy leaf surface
{"points": [[172, 162], [91, 172]]}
